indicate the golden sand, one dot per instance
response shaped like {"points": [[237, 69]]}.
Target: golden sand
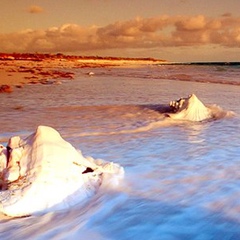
{"points": [[20, 72]]}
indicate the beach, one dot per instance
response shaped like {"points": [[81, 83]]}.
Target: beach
{"points": [[181, 177], [16, 72], [119, 120]]}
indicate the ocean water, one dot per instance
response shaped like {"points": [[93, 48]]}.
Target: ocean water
{"points": [[181, 178]]}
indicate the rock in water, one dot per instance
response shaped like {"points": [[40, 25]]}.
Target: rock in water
{"points": [[46, 173]]}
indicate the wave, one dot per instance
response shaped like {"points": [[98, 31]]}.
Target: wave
{"points": [[181, 111], [104, 120], [226, 74], [35, 167]]}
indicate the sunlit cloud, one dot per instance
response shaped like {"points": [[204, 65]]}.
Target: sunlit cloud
{"points": [[227, 14], [139, 33], [35, 9]]}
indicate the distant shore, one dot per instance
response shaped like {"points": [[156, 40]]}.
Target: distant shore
{"points": [[16, 70]]}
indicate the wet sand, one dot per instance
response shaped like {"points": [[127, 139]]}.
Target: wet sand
{"points": [[16, 73]]}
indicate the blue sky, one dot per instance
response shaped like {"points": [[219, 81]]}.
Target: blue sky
{"points": [[175, 30]]}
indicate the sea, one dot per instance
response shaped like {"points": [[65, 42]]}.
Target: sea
{"points": [[182, 179]]}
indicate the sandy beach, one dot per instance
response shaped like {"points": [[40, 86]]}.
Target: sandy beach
{"points": [[176, 172], [119, 120], [17, 72]]}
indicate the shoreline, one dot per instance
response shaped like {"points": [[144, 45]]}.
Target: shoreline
{"points": [[18, 72]]}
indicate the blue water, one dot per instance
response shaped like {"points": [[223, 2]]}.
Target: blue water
{"points": [[181, 178]]}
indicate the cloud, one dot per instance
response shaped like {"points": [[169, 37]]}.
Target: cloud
{"points": [[140, 33], [227, 14], [35, 9], [191, 24]]}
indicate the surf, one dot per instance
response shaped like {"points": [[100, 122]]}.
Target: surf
{"points": [[143, 118]]}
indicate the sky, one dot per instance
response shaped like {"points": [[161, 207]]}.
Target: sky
{"points": [[173, 30]]}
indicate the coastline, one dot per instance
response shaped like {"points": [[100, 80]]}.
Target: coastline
{"points": [[16, 72]]}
